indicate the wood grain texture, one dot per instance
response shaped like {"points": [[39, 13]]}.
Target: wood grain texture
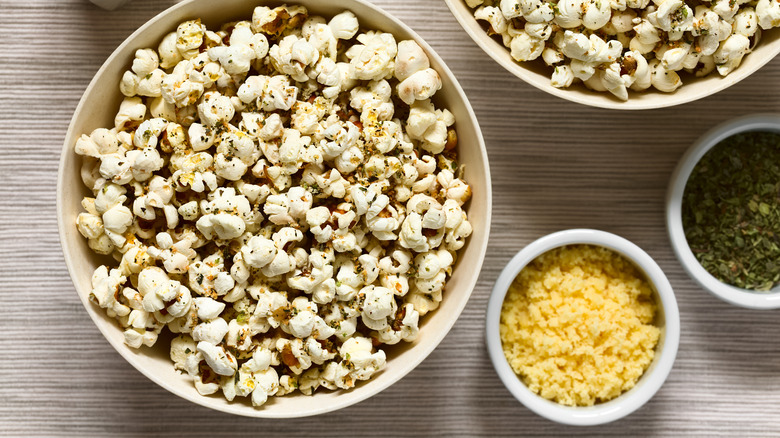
{"points": [[555, 165]]}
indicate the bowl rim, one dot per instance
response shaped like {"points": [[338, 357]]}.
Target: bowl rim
{"points": [[408, 366], [491, 47], [726, 292], [653, 378]]}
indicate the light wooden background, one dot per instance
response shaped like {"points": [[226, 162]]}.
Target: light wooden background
{"points": [[555, 165]]}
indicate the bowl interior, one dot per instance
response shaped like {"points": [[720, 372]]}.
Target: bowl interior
{"points": [[97, 109], [731, 294], [667, 319], [537, 73]]}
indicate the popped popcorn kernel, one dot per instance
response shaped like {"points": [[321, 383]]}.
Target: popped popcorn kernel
{"points": [[282, 193]]}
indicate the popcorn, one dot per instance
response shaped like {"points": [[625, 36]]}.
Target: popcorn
{"points": [[423, 303], [90, 226], [100, 142], [382, 219], [270, 307], [536, 11], [224, 214], [376, 97], [378, 304], [189, 37], [204, 378], [399, 284], [213, 331], [612, 46], [182, 86], [768, 14], [373, 59], [674, 17], [457, 226], [136, 338], [429, 125], [343, 319], [344, 25], [244, 48], [168, 51], [266, 383], [746, 22], [185, 323], [357, 350], [725, 9], [181, 304], [497, 21], [277, 20], [150, 85], [131, 112], [208, 309], [258, 252], [419, 86], [176, 257], [209, 278], [144, 163], [255, 375], [526, 47], [317, 352], [268, 93], [218, 359], [215, 109], [663, 79], [314, 274], [292, 56], [404, 327], [182, 347], [409, 60], [105, 289], [432, 269], [116, 217], [321, 37], [302, 324], [562, 76], [589, 49], [192, 172], [729, 54], [157, 292], [262, 200]]}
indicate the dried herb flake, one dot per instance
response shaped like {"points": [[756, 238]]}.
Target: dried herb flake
{"points": [[731, 210]]}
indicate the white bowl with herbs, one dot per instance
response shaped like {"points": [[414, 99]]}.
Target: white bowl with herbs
{"points": [[723, 211]]}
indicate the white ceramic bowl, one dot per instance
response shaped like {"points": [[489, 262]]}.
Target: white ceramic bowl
{"points": [[97, 108], [674, 196], [538, 74], [667, 319]]}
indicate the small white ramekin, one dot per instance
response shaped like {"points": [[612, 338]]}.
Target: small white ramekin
{"points": [[667, 319], [731, 294]]}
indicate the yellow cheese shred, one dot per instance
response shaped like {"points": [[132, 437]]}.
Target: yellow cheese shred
{"points": [[577, 325]]}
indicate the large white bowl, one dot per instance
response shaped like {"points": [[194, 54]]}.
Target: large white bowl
{"points": [[538, 74], [667, 319], [726, 292], [97, 109]]}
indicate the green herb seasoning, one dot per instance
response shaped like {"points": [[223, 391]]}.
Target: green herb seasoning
{"points": [[731, 210]]}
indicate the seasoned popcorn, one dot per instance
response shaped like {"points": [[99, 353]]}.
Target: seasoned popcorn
{"points": [[619, 45], [282, 194]]}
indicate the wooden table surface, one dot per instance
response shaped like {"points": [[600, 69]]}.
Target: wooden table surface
{"points": [[555, 165]]}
